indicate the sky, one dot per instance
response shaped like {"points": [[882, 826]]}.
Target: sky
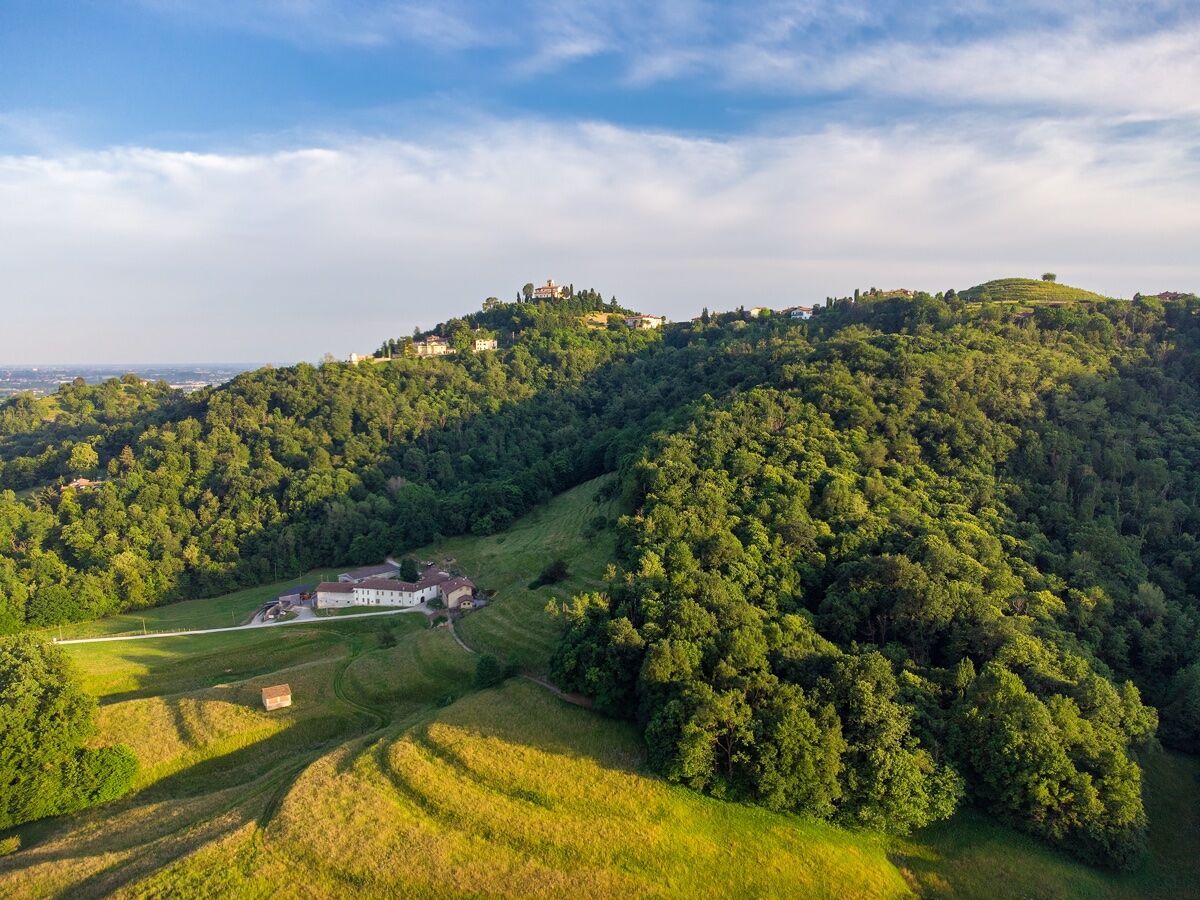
{"points": [[271, 180]]}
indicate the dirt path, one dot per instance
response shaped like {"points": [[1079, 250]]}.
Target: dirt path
{"points": [[454, 634]]}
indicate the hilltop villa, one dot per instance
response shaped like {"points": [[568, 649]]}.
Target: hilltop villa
{"points": [[432, 346], [374, 590], [485, 344], [81, 484], [550, 291], [645, 323]]}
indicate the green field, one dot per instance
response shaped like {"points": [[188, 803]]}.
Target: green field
{"points": [[391, 775], [972, 856], [1025, 290], [218, 612], [515, 625]]}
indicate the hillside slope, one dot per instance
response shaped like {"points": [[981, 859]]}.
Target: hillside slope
{"points": [[1025, 290], [389, 774]]}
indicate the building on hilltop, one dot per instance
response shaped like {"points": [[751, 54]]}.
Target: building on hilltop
{"points": [[551, 291], [644, 323], [755, 311], [798, 312], [432, 346], [482, 344], [434, 583]]}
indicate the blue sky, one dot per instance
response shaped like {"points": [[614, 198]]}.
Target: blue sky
{"points": [[241, 180]]}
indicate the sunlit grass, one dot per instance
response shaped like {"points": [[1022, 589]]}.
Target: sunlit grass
{"points": [[1025, 290], [511, 793]]}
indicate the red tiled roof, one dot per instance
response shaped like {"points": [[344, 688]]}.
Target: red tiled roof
{"points": [[276, 691], [384, 584], [451, 584]]}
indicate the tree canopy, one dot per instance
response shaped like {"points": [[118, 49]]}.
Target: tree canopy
{"points": [[47, 767]]}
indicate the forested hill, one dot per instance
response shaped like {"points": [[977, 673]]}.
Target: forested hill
{"points": [[941, 552], [914, 549]]}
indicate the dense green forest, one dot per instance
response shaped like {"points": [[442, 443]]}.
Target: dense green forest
{"points": [[914, 552], [942, 552]]}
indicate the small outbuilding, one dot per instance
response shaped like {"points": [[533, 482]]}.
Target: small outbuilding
{"points": [[277, 696]]}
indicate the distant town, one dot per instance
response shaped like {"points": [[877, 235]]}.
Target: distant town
{"points": [[40, 380]]}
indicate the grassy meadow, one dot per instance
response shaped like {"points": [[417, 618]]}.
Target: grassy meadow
{"points": [[218, 612], [972, 856], [514, 625], [392, 775]]}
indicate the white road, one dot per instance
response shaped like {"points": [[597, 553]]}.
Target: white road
{"points": [[306, 617]]}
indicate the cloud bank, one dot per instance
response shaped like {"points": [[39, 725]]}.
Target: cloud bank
{"points": [[134, 254]]}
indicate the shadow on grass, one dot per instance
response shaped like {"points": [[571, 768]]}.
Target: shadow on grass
{"points": [[244, 657], [308, 735]]}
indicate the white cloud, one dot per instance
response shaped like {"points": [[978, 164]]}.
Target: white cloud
{"points": [[444, 24], [1155, 75], [1139, 59], [137, 254]]}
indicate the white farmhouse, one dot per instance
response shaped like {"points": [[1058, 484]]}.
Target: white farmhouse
{"points": [[433, 584]]}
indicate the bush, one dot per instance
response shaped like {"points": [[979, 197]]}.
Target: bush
{"points": [[595, 525], [552, 574], [105, 773]]}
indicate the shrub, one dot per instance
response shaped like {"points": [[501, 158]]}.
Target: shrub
{"points": [[552, 574]]}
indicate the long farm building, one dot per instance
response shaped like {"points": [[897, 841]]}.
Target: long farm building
{"points": [[377, 591]]}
